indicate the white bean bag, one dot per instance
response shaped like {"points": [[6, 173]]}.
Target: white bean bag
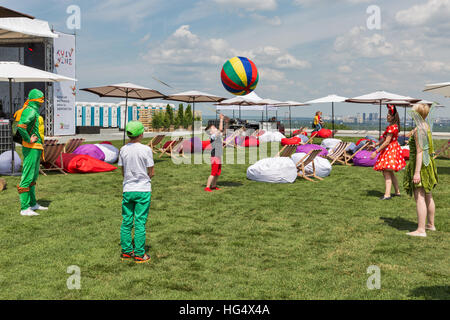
{"points": [[273, 170], [111, 152], [5, 162], [271, 137], [330, 143], [323, 166]]}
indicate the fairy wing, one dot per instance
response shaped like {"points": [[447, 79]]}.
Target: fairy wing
{"points": [[422, 132]]}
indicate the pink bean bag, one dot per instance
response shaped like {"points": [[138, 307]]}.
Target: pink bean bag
{"points": [[250, 142], [308, 147], [362, 159], [90, 150]]}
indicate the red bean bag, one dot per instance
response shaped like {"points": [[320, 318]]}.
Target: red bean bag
{"points": [[81, 163], [314, 134], [105, 142], [324, 133], [290, 141], [405, 154], [250, 142], [167, 144], [206, 145], [297, 132]]}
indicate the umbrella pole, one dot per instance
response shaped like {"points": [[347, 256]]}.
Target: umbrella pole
{"points": [[379, 122], [404, 125], [126, 111], [290, 121], [332, 116], [13, 144], [193, 119], [239, 112]]}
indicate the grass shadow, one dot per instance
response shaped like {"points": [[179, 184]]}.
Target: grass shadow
{"points": [[45, 203], [229, 183], [400, 223], [432, 292], [443, 170], [375, 193]]}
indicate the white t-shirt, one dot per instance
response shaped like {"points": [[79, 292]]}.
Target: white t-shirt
{"points": [[135, 158]]}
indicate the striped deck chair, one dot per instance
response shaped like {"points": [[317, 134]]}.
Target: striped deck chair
{"points": [[338, 153], [72, 145], [306, 160], [444, 151], [231, 140], [349, 157], [155, 142], [287, 151], [50, 141], [51, 154], [170, 147]]}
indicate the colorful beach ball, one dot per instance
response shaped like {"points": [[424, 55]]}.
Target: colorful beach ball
{"points": [[239, 76]]}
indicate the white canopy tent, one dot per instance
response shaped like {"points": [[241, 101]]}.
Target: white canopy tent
{"points": [[12, 71], [439, 88], [24, 28]]}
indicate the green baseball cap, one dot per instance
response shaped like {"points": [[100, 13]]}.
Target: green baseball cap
{"points": [[134, 128]]}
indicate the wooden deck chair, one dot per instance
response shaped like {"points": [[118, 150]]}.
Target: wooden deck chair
{"points": [[177, 149], [72, 145], [255, 133], [287, 151], [306, 160], [50, 141], [155, 142], [444, 151], [51, 154], [170, 147], [231, 140], [338, 153], [349, 157], [310, 140]]}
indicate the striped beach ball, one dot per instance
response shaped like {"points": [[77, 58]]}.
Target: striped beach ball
{"points": [[239, 76]]}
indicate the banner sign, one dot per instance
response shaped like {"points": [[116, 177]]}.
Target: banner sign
{"points": [[65, 91]]}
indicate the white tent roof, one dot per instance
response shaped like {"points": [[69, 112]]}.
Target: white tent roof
{"points": [[23, 28], [245, 108], [20, 73], [328, 99], [382, 96], [194, 96], [440, 88], [250, 99]]}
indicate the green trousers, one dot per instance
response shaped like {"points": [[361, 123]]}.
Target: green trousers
{"points": [[135, 208], [30, 173]]}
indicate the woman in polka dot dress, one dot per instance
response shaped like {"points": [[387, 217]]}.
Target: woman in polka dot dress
{"points": [[390, 159]]}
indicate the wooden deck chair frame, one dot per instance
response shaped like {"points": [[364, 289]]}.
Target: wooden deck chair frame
{"points": [[337, 154], [48, 142], [287, 151], [231, 140], [73, 144], [170, 147], [51, 154], [444, 151], [155, 142], [306, 160], [349, 157]]}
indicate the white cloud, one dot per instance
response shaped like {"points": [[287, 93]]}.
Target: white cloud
{"points": [[274, 21], [249, 5], [421, 14], [345, 69], [311, 2]]}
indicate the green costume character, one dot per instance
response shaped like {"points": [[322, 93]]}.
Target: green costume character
{"points": [[32, 148]]}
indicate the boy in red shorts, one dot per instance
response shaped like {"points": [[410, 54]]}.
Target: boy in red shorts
{"points": [[216, 138]]}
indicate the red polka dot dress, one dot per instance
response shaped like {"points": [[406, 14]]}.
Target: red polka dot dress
{"points": [[391, 157]]}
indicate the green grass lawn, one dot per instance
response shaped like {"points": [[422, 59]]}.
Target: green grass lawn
{"points": [[249, 241]]}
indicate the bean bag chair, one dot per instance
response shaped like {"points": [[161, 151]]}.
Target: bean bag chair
{"points": [[192, 145], [206, 145], [362, 159], [105, 142], [323, 166], [81, 163], [290, 141], [271, 137], [405, 153], [5, 162], [303, 138], [273, 170], [250, 142], [299, 132], [325, 133], [111, 152], [308, 147], [330, 143], [90, 150]]}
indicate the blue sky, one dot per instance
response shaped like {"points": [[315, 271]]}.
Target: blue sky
{"points": [[304, 49]]}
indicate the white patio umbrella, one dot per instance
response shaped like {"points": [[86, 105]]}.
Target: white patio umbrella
{"points": [[193, 97], [329, 99], [291, 104], [440, 88], [249, 102], [379, 97], [125, 90], [11, 71]]}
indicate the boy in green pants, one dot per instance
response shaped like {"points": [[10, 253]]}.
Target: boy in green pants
{"points": [[137, 165]]}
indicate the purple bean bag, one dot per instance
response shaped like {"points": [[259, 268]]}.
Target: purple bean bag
{"points": [[362, 159], [192, 145], [308, 147], [91, 150]]}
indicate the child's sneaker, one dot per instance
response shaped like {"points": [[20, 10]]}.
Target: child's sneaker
{"points": [[143, 259], [37, 206], [28, 213], [127, 256], [208, 189]]}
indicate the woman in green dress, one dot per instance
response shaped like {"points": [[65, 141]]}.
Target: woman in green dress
{"points": [[421, 174]]}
